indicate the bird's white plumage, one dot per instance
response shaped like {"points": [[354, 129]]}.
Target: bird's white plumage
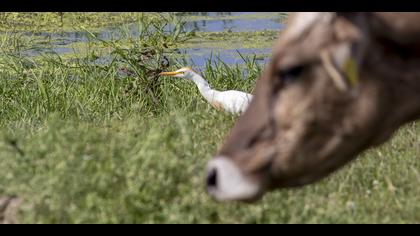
{"points": [[231, 101]]}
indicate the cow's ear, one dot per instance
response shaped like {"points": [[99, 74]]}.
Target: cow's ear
{"points": [[344, 14], [341, 66], [343, 59], [349, 26], [333, 69], [354, 16]]}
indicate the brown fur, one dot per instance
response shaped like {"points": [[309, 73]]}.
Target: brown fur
{"points": [[296, 133]]}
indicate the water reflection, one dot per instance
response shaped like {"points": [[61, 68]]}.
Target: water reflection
{"points": [[196, 56], [233, 25]]}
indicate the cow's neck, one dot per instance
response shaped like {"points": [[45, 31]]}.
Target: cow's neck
{"points": [[400, 72]]}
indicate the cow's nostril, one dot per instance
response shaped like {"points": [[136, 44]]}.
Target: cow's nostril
{"points": [[212, 178]]}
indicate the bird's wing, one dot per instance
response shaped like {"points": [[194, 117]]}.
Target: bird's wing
{"points": [[234, 101]]}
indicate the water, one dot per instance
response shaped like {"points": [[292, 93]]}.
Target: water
{"points": [[213, 14], [196, 56], [235, 25]]}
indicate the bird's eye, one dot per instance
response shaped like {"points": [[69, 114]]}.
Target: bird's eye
{"points": [[289, 75]]}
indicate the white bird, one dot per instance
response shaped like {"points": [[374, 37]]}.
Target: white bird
{"points": [[231, 101]]}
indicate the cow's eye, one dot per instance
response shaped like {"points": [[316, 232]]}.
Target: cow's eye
{"points": [[289, 75]]}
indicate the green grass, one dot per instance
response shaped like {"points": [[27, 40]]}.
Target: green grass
{"points": [[232, 40], [67, 21], [86, 143]]}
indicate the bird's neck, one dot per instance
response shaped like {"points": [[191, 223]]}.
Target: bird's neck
{"points": [[204, 87]]}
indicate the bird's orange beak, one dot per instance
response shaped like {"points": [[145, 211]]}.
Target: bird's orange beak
{"points": [[172, 73]]}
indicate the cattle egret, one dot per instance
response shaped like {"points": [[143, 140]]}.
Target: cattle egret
{"points": [[231, 101]]}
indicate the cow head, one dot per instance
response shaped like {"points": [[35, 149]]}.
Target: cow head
{"points": [[316, 106]]}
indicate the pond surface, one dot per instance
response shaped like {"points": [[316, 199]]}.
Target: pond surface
{"points": [[197, 54], [234, 25]]}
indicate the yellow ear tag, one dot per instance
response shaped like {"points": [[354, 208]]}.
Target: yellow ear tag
{"points": [[351, 72]]}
